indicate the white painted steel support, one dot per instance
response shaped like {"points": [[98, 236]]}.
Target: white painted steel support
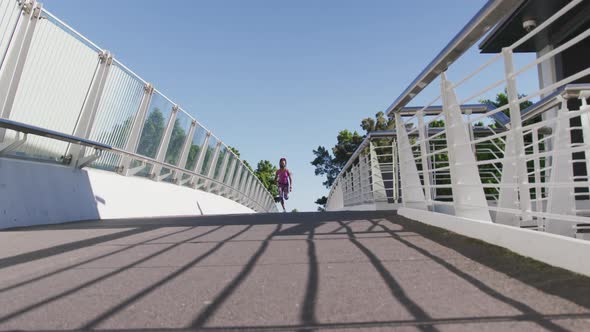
{"points": [[423, 152], [16, 57], [212, 165], [508, 197], [256, 193], [200, 159], [261, 194], [75, 153], [378, 186], [6, 147], [238, 183], [164, 145], [396, 170], [186, 148], [537, 167], [248, 188], [242, 188], [230, 178], [412, 193], [516, 133], [135, 134], [222, 171], [469, 198], [89, 159], [561, 199], [363, 169]]}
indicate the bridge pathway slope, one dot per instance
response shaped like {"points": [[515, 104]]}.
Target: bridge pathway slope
{"points": [[296, 271]]}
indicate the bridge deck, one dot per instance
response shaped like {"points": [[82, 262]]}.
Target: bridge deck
{"points": [[371, 270]]}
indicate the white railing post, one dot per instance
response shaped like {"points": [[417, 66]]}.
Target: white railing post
{"points": [[347, 188], [363, 171], [136, 129], [258, 194], [378, 186], [537, 170], [200, 159], [241, 179], [357, 183], [244, 187], [186, 148], [75, 152], [248, 191], [469, 198], [163, 147], [237, 182], [212, 166], [423, 152], [515, 146], [222, 171], [396, 170], [560, 196], [412, 193], [230, 177]]}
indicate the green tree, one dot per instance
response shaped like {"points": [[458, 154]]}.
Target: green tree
{"points": [[265, 172], [193, 153], [380, 122], [502, 99], [330, 164], [177, 139], [234, 150], [325, 165], [151, 134], [322, 203], [237, 152]]}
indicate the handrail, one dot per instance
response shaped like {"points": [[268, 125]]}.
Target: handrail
{"points": [[43, 132], [491, 13], [38, 131]]}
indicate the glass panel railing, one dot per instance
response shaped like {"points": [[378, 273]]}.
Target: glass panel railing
{"points": [[218, 166], [116, 113], [155, 125], [180, 131], [208, 159], [9, 14], [196, 147], [53, 86], [208, 156]]}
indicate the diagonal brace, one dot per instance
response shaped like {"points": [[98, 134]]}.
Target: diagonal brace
{"points": [[87, 160], [11, 146]]}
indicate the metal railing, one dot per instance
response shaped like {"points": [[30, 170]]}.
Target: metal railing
{"points": [[67, 95], [534, 173]]}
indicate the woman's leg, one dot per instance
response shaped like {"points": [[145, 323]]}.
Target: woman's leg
{"points": [[282, 196]]}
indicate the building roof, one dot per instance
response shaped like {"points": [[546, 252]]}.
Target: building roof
{"points": [[511, 28]]}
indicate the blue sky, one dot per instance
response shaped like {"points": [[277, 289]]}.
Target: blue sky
{"points": [[275, 78]]}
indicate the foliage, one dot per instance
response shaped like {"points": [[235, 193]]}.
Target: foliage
{"points": [[330, 164], [322, 203], [151, 134], [265, 172]]}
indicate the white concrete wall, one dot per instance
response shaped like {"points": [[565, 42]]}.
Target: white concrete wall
{"points": [[38, 193], [556, 250]]}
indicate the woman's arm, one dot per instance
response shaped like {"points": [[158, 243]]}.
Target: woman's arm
{"points": [[290, 179]]}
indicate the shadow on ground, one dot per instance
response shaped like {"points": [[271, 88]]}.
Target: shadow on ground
{"points": [[307, 227]]}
